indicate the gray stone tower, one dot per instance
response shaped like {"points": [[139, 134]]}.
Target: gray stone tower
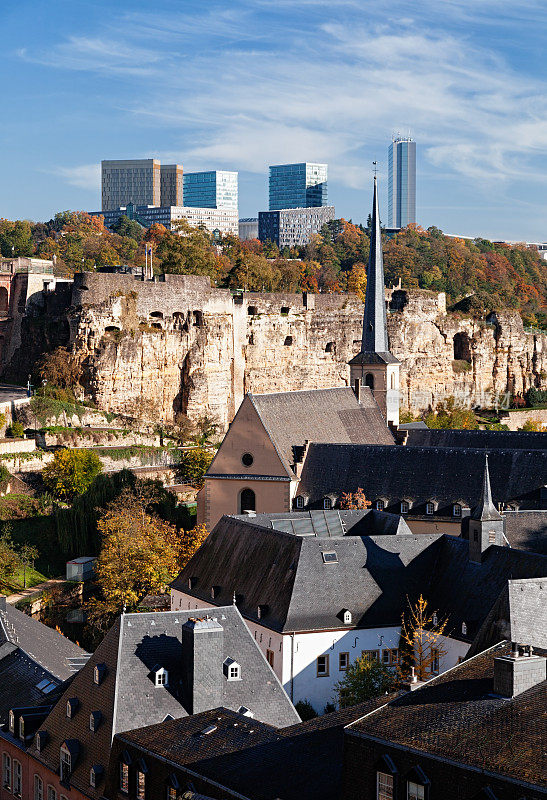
{"points": [[375, 367], [486, 524]]}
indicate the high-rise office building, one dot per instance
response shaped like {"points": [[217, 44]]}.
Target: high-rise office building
{"points": [[401, 182], [135, 181], [143, 182], [172, 188], [298, 186], [213, 189]]}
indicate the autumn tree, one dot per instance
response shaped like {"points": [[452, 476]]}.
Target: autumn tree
{"points": [[187, 250], [421, 644], [354, 500], [71, 472], [364, 679], [194, 464], [61, 370], [451, 415]]}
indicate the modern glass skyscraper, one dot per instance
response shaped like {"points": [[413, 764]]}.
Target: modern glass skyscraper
{"points": [[298, 186], [214, 189], [401, 182]]}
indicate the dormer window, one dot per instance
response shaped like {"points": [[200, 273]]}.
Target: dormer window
{"points": [[94, 720], [380, 505], [72, 707], [429, 508], [161, 676], [192, 582], [142, 769], [67, 756], [12, 723], [40, 740], [346, 616], [231, 669], [95, 775], [98, 673], [435, 619], [464, 629], [417, 784], [262, 611], [300, 501], [405, 505], [327, 503], [456, 510]]}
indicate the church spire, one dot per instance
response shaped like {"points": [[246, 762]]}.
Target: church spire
{"points": [[486, 510], [374, 322]]}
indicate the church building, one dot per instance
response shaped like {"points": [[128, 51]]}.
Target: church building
{"points": [[259, 463]]}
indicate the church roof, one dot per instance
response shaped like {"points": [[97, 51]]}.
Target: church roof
{"points": [[486, 510], [419, 435], [420, 474], [320, 415], [375, 338]]}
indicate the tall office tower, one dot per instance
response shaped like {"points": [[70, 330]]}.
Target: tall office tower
{"points": [[136, 181], [298, 186], [171, 185], [401, 182], [214, 189]]}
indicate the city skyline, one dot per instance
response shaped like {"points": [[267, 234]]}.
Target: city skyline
{"points": [[467, 91]]}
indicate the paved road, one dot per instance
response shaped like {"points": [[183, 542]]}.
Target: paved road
{"points": [[14, 598]]}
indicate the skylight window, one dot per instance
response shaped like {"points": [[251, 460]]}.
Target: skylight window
{"points": [[330, 558]]}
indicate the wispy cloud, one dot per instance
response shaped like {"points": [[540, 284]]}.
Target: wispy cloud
{"points": [[86, 176], [240, 88]]}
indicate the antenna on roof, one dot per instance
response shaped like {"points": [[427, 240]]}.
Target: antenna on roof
{"points": [[375, 167]]}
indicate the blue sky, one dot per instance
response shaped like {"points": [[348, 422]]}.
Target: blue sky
{"points": [[249, 83]]}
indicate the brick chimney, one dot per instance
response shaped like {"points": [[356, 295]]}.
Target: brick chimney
{"points": [[202, 675], [519, 671]]}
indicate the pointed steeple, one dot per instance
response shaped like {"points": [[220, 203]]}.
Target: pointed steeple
{"points": [[374, 323], [486, 510]]}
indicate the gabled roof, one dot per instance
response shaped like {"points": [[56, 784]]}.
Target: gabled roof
{"points": [[31, 653], [419, 435], [300, 762], [339, 522], [128, 698], [47, 647], [372, 576], [456, 716], [445, 475], [320, 415]]}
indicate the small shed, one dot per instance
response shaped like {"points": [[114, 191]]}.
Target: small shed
{"points": [[80, 569]]}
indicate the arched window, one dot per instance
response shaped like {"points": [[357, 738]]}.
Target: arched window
{"points": [[380, 505], [300, 501], [429, 508], [369, 381], [4, 303], [327, 503], [247, 501], [393, 381], [404, 506], [457, 510]]}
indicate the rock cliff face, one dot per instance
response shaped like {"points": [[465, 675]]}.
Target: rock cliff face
{"points": [[180, 345]]}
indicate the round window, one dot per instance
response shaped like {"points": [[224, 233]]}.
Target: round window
{"points": [[247, 459]]}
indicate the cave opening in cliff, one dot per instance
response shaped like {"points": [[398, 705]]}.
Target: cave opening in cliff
{"points": [[462, 347]]}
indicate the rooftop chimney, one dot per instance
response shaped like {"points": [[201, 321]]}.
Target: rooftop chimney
{"points": [[202, 675], [517, 672], [2, 602]]}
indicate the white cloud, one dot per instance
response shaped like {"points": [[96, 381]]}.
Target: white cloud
{"points": [[86, 176]]}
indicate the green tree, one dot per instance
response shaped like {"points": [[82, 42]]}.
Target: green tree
{"points": [[27, 556], [128, 227], [207, 429], [364, 679], [451, 415], [15, 238], [71, 473], [188, 251], [9, 560], [15, 430]]}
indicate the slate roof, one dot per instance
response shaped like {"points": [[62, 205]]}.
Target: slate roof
{"points": [[527, 530], [419, 435], [30, 653], [518, 615], [421, 474], [47, 647], [127, 697], [372, 576], [320, 415], [256, 760], [457, 716], [331, 523]]}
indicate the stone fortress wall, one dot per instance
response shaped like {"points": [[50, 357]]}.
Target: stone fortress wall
{"points": [[180, 344]]}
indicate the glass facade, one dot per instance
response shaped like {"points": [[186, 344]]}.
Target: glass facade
{"points": [[298, 186], [401, 183], [214, 189], [292, 226]]}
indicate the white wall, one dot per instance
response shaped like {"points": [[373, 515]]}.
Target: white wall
{"points": [[295, 655]]}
